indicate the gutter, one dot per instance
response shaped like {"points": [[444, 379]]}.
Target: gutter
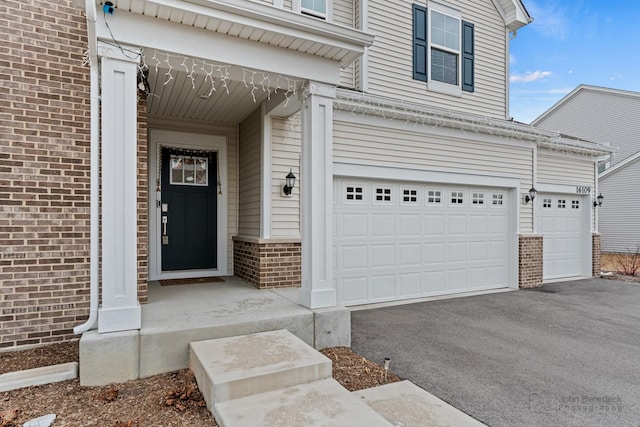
{"points": [[90, 10]]}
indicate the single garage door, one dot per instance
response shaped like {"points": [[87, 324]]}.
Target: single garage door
{"points": [[564, 227], [397, 241]]}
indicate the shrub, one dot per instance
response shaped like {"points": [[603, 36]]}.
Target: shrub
{"points": [[628, 263]]}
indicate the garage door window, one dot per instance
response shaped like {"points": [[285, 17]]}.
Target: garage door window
{"points": [[477, 199], [434, 197], [457, 197], [497, 199], [546, 203], [353, 193], [383, 195], [575, 204], [409, 196], [562, 203]]}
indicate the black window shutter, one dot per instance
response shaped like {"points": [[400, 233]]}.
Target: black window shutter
{"points": [[467, 56], [420, 49]]}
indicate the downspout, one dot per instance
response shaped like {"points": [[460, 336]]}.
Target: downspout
{"points": [[90, 10]]}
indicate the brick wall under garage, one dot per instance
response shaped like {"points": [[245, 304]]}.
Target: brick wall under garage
{"points": [[596, 254], [268, 263], [530, 260]]}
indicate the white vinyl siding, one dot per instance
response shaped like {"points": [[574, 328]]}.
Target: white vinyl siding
{"points": [[285, 155], [565, 170], [618, 216], [250, 167], [380, 146], [391, 62], [344, 14], [599, 116]]}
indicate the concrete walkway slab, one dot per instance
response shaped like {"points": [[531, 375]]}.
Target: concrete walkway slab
{"points": [[405, 404], [38, 376], [323, 403], [230, 368]]}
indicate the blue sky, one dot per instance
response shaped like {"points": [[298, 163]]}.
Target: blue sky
{"points": [[573, 42]]}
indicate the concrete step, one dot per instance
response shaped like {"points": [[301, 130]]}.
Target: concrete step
{"points": [[235, 367], [405, 404], [323, 403]]}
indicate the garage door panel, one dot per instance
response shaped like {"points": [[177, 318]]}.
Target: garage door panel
{"points": [[382, 256], [409, 284], [456, 252], [434, 225], [434, 253], [477, 224], [383, 225], [383, 287], [354, 289], [390, 250], [353, 225], [433, 281], [410, 255], [409, 225], [457, 224], [354, 257]]}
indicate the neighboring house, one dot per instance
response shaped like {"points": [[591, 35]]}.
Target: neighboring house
{"points": [[608, 117], [393, 116]]}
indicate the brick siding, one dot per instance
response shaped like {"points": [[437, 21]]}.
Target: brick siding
{"points": [[267, 264], [44, 171], [596, 254], [530, 261]]}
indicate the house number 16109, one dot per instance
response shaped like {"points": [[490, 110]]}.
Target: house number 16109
{"points": [[582, 189]]}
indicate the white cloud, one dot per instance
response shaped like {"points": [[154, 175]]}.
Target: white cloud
{"points": [[530, 76], [615, 76]]}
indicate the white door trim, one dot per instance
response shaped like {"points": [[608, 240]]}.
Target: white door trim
{"points": [[178, 139]]}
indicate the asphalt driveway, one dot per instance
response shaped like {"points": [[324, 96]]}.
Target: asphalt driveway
{"points": [[566, 354]]}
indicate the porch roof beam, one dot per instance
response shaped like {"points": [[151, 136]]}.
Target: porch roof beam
{"points": [[258, 22]]}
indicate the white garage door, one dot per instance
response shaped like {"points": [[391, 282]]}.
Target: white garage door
{"points": [[396, 241], [564, 227]]}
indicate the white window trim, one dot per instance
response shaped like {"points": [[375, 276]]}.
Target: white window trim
{"points": [[328, 16], [434, 85]]}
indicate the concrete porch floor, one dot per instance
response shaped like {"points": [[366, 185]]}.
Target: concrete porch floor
{"points": [[180, 314]]}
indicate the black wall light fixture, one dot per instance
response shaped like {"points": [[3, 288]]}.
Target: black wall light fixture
{"points": [[531, 196], [290, 182], [598, 201]]}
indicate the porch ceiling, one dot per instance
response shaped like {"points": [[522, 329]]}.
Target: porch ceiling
{"points": [[183, 98], [257, 21]]}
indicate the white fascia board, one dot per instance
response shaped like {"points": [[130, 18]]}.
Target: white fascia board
{"points": [[166, 36], [513, 13], [264, 17], [621, 165]]}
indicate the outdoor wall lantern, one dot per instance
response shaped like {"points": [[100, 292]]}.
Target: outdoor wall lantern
{"points": [[598, 201], [290, 182], [531, 196]]}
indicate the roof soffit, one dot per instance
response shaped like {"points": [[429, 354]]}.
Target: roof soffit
{"points": [[514, 13]]}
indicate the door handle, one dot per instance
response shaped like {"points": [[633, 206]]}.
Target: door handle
{"points": [[164, 225]]}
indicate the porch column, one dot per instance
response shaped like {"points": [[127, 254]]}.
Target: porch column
{"points": [[120, 309], [316, 192]]}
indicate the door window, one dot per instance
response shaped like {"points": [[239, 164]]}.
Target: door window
{"points": [[189, 170]]}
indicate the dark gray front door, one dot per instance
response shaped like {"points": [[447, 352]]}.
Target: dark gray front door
{"points": [[188, 209]]}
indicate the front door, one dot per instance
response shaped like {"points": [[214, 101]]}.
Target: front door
{"points": [[188, 210]]}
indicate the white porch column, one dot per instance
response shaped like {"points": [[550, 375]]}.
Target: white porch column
{"points": [[316, 177], [120, 309]]}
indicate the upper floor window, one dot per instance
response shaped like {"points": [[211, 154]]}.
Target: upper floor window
{"points": [[443, 51], [316, 8]]}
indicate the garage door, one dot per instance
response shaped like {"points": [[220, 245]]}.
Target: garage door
{"points": [[564, 228], [395, 241]]}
